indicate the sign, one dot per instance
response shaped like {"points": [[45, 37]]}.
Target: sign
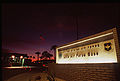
{"points": [[102, 51]]}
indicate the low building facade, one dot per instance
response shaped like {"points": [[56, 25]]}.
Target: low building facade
{"points": [[10, 59]]}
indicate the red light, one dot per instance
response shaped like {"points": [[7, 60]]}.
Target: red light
{"points": [[30, 69], [25, 68], [41, 37], [43, 64], [21, 57]]}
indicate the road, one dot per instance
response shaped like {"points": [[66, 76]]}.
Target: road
{"points": [[32, 76], [29, 76]]}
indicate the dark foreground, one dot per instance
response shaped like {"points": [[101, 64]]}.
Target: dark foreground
{"points": [[11, 72]]}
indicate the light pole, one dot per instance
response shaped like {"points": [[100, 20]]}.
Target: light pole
{"points": [[22, 59], [77, 26]]}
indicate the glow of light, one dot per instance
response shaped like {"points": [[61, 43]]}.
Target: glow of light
{"points": [[75, 61], [43, 64], [103, 57], [15, 67], [52, 58], [21, 57], [34, 60], [13, 56], [85, 40], [30, 69], [22, 62], [41, 38]]}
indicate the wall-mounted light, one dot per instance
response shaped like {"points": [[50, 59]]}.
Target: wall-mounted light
{"points": [[13, 56], [21, 57]]}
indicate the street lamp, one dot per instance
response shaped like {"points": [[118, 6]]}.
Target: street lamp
{"points": [[13, 56]]}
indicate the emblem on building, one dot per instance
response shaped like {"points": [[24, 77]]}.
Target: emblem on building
{"points": [[107, 46]]}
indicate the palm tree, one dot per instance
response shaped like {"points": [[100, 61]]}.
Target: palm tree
{"points": [[37, 55], [46, 55], [54, 49], [30, 56], [33, 57]]}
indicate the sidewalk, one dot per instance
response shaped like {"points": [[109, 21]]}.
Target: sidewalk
{"points": [[32, 77]]}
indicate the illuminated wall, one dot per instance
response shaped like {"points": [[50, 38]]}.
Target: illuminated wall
{"points": [[97, 49]]}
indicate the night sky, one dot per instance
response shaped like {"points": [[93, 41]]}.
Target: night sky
{"points": [[22, 24]]}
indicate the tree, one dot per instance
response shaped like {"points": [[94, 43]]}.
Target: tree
{"points": [[45, 54], [33, 57], [27, 57], [54, 49], [37, 55], [30, 56]]}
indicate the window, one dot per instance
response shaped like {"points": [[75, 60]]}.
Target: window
{"points": [[92, 45]]}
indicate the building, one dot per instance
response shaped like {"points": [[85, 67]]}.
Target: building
{"points": [[10, 59], [93, 58]]}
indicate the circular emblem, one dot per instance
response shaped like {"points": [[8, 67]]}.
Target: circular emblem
{"points": [[107, 46]]}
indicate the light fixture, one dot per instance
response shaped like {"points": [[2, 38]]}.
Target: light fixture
{"points": [[13, 56], [21, 57]]}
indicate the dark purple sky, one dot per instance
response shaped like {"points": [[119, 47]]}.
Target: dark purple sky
{"points": [[22, 24]]}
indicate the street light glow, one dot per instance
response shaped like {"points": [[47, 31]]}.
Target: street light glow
{"points": [[13, 56], [21, 57]]}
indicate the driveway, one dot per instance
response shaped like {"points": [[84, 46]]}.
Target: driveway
{"points": [[32, 76]]}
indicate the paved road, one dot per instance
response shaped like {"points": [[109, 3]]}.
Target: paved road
{"points": [[31, 76]]}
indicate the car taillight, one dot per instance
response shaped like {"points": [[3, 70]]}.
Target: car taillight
{"points": [[43, 64]]}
